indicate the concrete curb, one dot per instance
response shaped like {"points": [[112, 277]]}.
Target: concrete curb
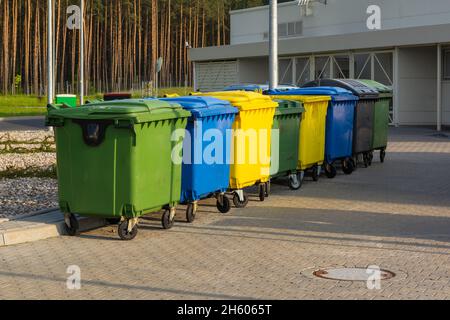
{"points": [[22, 118], [28, 215], [41, 227]]}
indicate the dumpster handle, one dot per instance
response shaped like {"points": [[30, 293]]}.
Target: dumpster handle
{"points": [[93, 131]]}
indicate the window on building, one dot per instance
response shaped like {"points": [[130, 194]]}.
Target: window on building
{"points": [[341, 67], [447, 64], [282, 30], [285, 30], [323, 70], [285, 71], [384, 68], [303, 71], [363, 66]]}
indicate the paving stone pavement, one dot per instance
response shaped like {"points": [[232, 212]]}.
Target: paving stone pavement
{"points": [[395, 216]]}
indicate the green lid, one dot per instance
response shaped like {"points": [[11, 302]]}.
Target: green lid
{"points": [[381, 88], [289, 107], [139, 111]]}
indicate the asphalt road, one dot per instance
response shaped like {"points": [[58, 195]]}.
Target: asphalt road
{"points": [[22, 124]]}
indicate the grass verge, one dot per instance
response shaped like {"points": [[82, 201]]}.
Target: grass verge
{"points": [[22, 105]]}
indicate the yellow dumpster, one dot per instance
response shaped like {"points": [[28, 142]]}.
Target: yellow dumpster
{"points": [[312, 132], [251, 141]]}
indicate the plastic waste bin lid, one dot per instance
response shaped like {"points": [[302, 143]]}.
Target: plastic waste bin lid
{"points": [[140, 111], [289, 107], [256, 87], [201, 107], [381, 88], [336, 93], [116, 96], [243, 100], [357, 88], [246, 87]]}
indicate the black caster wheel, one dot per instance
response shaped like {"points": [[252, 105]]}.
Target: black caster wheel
{"points": [[113, 221], [296, 181], [190, 213], [238, 203], [166, 221], [262, 192], [315, 173], [267, 189], [225, 207], [124, 234], [366, 160], [330, 171], [370, 158], [73, 230], [382, 155], [354, 160], [348, 166]]}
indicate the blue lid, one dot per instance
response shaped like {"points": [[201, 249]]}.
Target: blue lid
{"points": [[201, 107], [336, 93], [356, 87], [257, 87], [246, 87]]}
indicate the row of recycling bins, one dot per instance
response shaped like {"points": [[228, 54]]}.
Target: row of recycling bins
{"points": [[123, 159]]}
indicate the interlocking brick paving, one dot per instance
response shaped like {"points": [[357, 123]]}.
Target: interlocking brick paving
{"points": [[395, 216]]}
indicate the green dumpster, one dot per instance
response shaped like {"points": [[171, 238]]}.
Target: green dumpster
{"points": [[285, 142], [381, 119], [115, 161], [69, 100]]}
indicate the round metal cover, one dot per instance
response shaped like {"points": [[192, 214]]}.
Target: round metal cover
{"points": [[353, 274]]}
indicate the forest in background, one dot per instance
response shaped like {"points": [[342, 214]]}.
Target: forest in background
{"points": [[123, 40]]}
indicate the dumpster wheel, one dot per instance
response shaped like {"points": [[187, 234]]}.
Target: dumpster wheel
{"points": [[383, 155], [223, 204], [191, 212], [262, 192], [370, 158], [168, 218], [316, 173], [330, 171], [296, 181], [72, 226], [237, 201], [348, 166], [124, 230], [366, 160]]}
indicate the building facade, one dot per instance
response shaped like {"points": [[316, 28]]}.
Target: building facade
{"points": [[331, 39]]}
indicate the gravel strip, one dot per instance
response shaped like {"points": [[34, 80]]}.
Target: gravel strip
{"points": [[23, 161], [27, 195], [26, 135]]}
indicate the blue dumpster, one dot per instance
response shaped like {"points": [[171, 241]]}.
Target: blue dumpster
{"points": [[206, 152], [339, 126]]}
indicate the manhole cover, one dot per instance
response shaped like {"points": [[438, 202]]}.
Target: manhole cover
{"points": [[353, 274]]}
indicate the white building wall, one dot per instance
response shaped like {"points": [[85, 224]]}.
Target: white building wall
{"points": [[446, 103], [254, 71], [417, 86], [339, 17]]}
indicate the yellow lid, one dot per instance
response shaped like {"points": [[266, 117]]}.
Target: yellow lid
{"points": [[244, 100], [304, 99]]}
